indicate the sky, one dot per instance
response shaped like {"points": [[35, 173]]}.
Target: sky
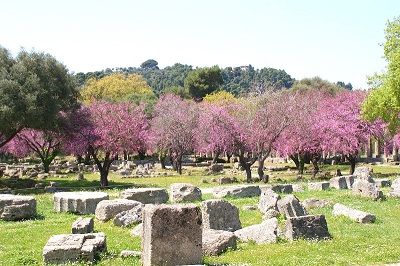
{"points": [[336, 40]]}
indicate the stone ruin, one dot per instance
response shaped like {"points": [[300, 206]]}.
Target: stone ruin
{"points": [[70, 248], [15, 207], [82, 202]]}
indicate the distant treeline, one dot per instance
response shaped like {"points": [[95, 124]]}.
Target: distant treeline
{"points": [[236, 80]]}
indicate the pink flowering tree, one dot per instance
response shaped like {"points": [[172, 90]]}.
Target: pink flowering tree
{"points": [[217, 130], [44, 144], [300, 140], [342, 128], [173, 128], [112, 129]]}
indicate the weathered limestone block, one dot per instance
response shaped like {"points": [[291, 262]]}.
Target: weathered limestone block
{"points": [[268, 200], [82, 202], [108, 209], [367, 189], [283, 188], [353, 214], [181, 192], [242, 191], [290, 206], [137, 230], [15, 207], [311, 227], [318, 186], [265, 232], [146, 195], [364, 173], [172, 235], [129, 217], [220, 215], [83, 226], [315, 203], [70, 248], [338, 182], [216, 242]]}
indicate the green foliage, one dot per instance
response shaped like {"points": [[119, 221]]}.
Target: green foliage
{"points": [[220, 98], [343, 85], [34, 88], [203, 81], [178, 90], [151, 63], [384, 101], [316, 83]]}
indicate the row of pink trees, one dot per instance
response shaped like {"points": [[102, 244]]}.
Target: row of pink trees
{"points": [[297, 124]]}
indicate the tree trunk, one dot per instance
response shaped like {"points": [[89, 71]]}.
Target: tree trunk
{"points": [[352, 160], [87, 158], [246, 166], [104, 178], [314, 161], [215, 158], [228, 157], [126, 156], [162, 160], [142, 155], [79, 159], [295, 159], [301, 164], [46, 166]]}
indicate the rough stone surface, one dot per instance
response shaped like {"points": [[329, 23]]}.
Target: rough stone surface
{"points": [[265, 232], [350, 180], [364, 173], [216, 168], [367, 189], [283, 188], [83, 226], [268, 200], [15, 207], [146, 195], [271, 213], [311, 227], [129, 217], [220, 215], [297, 188], [108, 209], [172, 235], [290, 206], [225, 180], [82, 202], [318, 186], [353, 214], [181, 192], [216, 242], [383, 182], [395, 188], [338, 182], [315, 203], [130, 254], [137, 230], [243, 191], [61, 249]]}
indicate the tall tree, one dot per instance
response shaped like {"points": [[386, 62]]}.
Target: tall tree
{"points": [[203, 81], [34, 88], [384, 100], [113, 128], [116, 88], [174, 127]]}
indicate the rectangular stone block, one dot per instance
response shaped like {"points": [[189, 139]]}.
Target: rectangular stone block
{"points": [[172, 235], [318, 186], [83, 226], [338, 182], [310, 227]]}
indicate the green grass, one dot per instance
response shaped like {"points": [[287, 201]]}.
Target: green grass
{"points": [[21, 243]]}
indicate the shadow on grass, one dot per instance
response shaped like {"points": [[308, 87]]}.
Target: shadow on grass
{"points": [[27, 186]]}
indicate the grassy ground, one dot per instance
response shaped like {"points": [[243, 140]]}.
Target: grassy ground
{"points": [[21, 243]]}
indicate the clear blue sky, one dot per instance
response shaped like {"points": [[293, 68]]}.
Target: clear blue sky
{"points": [[336, 40]]}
